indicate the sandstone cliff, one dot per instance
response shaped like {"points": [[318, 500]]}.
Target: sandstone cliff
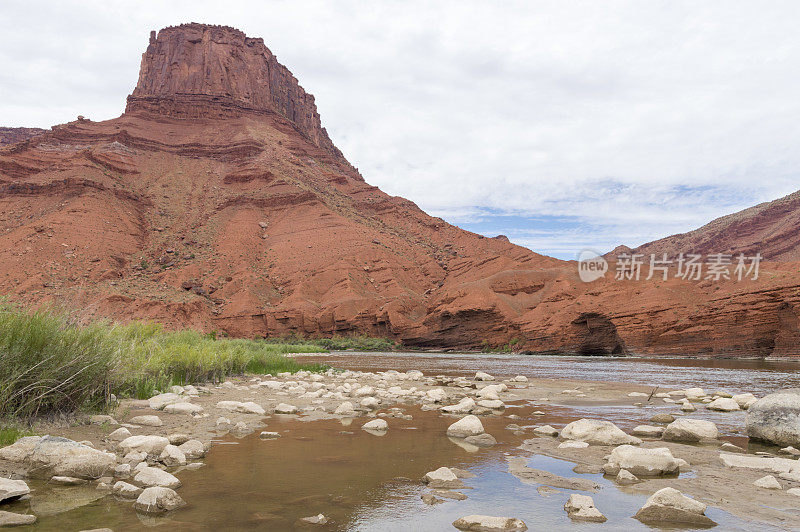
{"points": [[12, 135], [770, 228], [218, 201], [202, 71]]}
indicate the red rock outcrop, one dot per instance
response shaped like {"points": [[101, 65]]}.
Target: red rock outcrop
{"points": [[217, 201], [202, 71], [769, 228], [12, 135]]}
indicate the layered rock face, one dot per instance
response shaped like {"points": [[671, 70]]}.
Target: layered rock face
{"points": [[12, 135], [197, 70], [770, 228], [217, 201]]}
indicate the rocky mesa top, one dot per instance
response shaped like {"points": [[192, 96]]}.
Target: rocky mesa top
{"points": [[208, 71]]}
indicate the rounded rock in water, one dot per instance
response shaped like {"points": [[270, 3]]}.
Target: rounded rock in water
{"points": [[378, 425], [776, 418], [669, 505], [690, 430], [158, 500], [489, 523], [466, 426]]}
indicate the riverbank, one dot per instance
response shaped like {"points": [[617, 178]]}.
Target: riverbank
{"points": [[254, 404], [50, 364]]}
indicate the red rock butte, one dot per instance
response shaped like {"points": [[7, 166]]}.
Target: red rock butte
{"points": [[218, 201], [201, 71]]}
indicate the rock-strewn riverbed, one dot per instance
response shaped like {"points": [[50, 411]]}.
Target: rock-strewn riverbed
{"points": [[310, 419]]}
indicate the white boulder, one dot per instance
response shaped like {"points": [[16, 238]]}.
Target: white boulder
{"points": [[102, 419], [494, 404], [546, 430], [12, 489], [464, 406], [157, 500], [669, 505], [377, 425], [775, 418], [414, 375], [648, 431], [147, 421], [152, 445], [364, 391], [641, 462], [597, 432], [694, 393], [468, 425], [626, 477], [172, 456], [573, 444], [582, 508], [371, 403], [772, 463], [690, 430], [119, 434], [444, 478], [723, 404], [284, 408], [125, 490], [492, 391], [489, 523], [158, 402], [49, 456], [745, 400], [345, 408], [14, 519], [183, 408], [244, 408], [152, 476], [437, 395], [768, 482]]}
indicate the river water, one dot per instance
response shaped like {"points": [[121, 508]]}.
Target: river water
{"points": [[366, 482], [759, 377], [734, 375]]}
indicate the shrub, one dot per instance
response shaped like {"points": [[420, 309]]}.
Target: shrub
{"points": [[46, 364], [341, 343], [10, 434], [50, 364]]}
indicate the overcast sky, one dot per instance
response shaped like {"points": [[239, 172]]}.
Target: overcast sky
{"points": [[564, 125]]}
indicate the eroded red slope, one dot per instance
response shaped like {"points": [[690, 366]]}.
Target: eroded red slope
{"points": [[218, 201], [771, 228]]}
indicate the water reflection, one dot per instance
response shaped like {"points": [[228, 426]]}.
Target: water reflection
{"points": [[361, 482]]}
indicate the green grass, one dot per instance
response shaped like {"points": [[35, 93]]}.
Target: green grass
{"points": [[511, 347], [341, 343], [9, 435], [50, 364]]}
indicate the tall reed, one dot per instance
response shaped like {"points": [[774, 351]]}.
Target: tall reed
{"points": [[48, 363]]}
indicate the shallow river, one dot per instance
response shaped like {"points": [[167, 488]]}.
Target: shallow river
{"points": [[361, 481], [734, 375], [759, 377]]}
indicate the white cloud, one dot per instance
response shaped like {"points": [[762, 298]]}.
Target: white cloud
{"points": [[638, 118]]}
